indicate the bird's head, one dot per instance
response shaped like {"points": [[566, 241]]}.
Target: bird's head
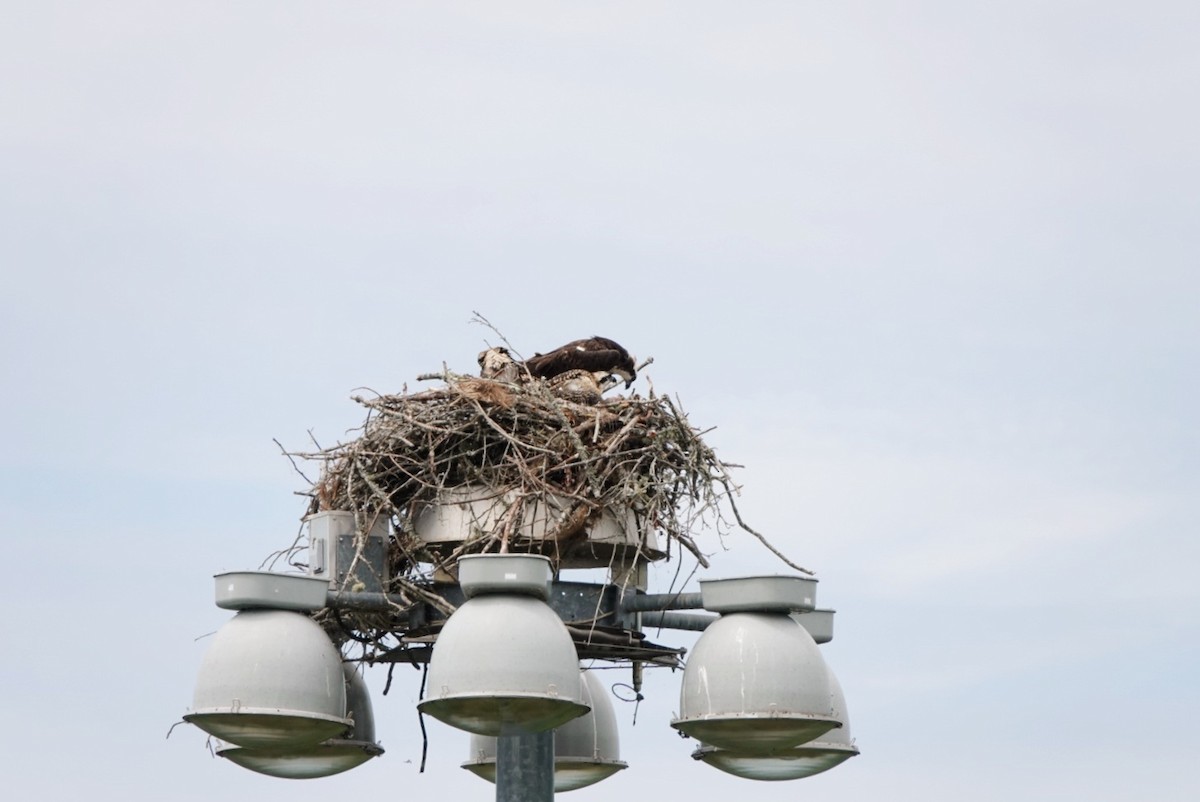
{"points": [[627, 373], [499, 353], [496, 363], [606, 380]]}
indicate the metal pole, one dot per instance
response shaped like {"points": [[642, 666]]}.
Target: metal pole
{"points": [[525, 767], [693, 621], [662, 601]]}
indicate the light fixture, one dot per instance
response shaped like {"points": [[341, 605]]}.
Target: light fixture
{"points": [[756, 681], [827, 751], [586, 749], [504, 662], [270, 679], [267, 590], [326, 758]]}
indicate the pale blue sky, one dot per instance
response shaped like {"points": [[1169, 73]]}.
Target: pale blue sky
{"points": [[929, 267]]}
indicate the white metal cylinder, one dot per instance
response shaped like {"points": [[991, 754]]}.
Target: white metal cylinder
{"points": [[755, 681], [326, 758], [822, 754], [504, 664], [270, 678]]}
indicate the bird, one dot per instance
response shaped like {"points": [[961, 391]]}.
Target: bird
{"points": [[580, 386], [498, 364], [599, 356]]}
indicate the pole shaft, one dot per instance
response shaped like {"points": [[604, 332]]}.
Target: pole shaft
{"points": [[525, 767], [694, 621], [645, 602]]}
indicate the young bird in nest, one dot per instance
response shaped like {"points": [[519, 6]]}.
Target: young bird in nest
{"points": [[497, 364], [580, 386]]}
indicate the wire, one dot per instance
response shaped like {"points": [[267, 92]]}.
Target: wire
{"points": [[387, 686], [636, 698], [421, 719]]}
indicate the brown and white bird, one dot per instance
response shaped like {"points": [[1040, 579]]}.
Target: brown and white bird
{"points": [[580, 386], [498, 364], [599, 356]]}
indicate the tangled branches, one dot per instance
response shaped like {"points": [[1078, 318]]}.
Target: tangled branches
{"points": [[535, 471]]}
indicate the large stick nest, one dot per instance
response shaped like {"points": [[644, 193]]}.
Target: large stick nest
{"points": [[523, 440]]}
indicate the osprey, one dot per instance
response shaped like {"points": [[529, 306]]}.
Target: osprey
{"points": [[580, 386], [498, 364], [598, 355]]}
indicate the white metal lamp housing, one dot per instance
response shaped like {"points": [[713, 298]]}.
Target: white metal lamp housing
{"points": [[827, 751], [270, 679], [586, 749], [755, 681], [326, 758], [504, 662]]}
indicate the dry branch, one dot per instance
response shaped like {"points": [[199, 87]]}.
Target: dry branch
{"points": [[525, 443]]}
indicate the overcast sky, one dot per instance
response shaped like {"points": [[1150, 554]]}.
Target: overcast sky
{"points": [[930, 268]]}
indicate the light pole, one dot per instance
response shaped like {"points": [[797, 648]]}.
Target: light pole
{"points": [[445, 536]]}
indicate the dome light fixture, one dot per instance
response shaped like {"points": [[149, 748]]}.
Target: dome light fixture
{"points": [[827, 751], [586, 749], [326, 758], [504, 663], [271, 679], [756, 682]]}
